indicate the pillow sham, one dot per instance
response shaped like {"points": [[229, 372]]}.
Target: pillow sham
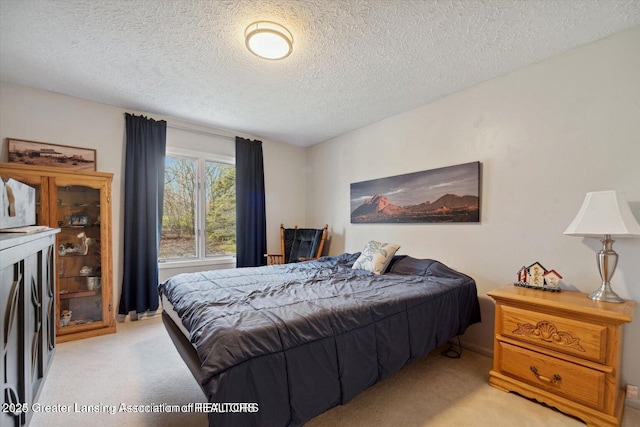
{"points": [[394, 260], [375, 257], [411, 266]]}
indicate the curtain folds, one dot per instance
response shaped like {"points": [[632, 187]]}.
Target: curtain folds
{"points": [[146, 141], [251, 224]]}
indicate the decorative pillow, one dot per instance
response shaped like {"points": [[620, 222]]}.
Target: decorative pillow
{"points": [[375, 257]]}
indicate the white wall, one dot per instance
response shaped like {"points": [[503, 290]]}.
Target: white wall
{"points": [[36, 115], [545, 135]]}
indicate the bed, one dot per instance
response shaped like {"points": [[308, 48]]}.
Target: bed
{"points": [[277, 345]]}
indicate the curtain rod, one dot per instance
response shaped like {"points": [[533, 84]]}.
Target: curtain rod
{"points": [[201, 132]]}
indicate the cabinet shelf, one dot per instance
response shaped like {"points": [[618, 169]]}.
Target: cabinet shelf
{"points": [[79, 322], [76, 255], [79, 294], [78, 276]]}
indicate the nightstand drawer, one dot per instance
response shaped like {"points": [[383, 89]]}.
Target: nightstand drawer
{"points": [[574, 382], [585, 340]]}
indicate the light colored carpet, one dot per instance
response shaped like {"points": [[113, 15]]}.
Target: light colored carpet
{"points": [[139, 366]]}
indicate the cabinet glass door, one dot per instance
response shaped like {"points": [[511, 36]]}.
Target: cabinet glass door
{"points": [[79, 256]]}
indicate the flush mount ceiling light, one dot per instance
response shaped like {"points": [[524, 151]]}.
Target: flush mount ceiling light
{"points": [[268, 40]]}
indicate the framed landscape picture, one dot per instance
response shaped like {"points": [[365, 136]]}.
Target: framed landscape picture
{"points": [[449, 194], [45, 154]]}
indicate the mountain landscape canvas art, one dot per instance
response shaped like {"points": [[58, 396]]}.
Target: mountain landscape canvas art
{"points": [[448, 194]]}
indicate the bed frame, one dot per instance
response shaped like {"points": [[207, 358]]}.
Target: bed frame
{"points": [[184, 347]]}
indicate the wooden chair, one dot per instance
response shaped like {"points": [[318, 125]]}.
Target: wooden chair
{"points": [[299, 244]]}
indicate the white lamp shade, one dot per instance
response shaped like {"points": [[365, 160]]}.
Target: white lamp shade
{"points": [[604, 212]]}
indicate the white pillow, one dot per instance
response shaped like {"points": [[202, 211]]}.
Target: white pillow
{"points": [[375, 257]]}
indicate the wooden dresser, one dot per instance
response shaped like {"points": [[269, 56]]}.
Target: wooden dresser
{"points": [[561, 349]]}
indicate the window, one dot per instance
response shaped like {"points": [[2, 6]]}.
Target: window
{"points": [[199, 212]]}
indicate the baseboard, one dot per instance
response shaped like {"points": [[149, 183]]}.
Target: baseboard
{"points": [[477, 349], [139, 316], [632, 403], [150, 314]]}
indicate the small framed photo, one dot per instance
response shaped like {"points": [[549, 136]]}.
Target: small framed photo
{"points": [[53, 155], [79, 220]]}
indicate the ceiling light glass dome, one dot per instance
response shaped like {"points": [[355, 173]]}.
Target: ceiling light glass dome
{"points": [[268, 40]]}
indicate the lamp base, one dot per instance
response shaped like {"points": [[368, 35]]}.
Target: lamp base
{"points": [[606, 294], [607, 261]]}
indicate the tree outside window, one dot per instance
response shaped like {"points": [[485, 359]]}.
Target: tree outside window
{"points": [[199, 217]]}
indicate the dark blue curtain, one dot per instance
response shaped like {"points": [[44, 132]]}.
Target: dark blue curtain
{"points": [[251, 223], [146, 141]]}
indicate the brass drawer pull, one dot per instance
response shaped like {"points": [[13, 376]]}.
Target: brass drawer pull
{"points": [[551, 380]]}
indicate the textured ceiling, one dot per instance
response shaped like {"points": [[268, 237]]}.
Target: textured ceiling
{"points": [[354, 62]]}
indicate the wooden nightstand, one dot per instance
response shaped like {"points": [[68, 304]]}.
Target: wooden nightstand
{"points": [[562, 349]]}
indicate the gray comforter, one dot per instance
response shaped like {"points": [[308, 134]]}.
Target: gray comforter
{"points": [[297, 339]]}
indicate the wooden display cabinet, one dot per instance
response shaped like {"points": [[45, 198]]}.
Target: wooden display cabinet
{"points": [[79, 203]]}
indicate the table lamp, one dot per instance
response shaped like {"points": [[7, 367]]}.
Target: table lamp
{"points": [[605, 213]]}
